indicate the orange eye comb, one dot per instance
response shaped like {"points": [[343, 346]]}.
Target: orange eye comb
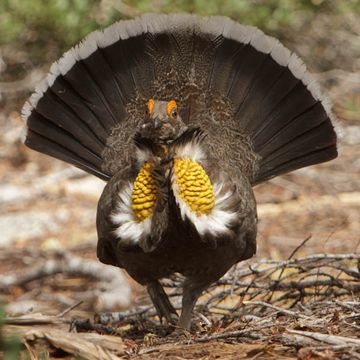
{"points": [[171, 105], [151, 104]]}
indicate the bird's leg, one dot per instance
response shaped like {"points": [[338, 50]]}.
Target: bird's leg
{"points": [[192, 290], [161, 302]]}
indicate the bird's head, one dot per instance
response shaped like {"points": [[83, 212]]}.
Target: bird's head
{"points": [[162, 123]]}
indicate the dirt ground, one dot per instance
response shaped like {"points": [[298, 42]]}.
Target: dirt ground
{"points": [[47, 213]]}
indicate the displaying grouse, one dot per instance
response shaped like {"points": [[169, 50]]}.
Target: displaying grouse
{"points": [[181, 115]]}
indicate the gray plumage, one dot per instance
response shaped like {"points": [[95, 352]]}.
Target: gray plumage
{"points": [[259, 108]]}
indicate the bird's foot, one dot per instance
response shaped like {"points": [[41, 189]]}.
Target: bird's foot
{"points": [[172, 319], [167, 312], [151, 339], [179, 333], [162, 303], [201, 323]]}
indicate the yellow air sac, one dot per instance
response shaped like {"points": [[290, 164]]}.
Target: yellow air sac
{"points": [[195, 186], [144, 193]]}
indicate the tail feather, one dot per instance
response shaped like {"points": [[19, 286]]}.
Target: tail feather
{"points": [[297, 101], [265, 83], [301, 144], [132, 67], [251, 95], [68, 96], [42, 144], [224, 64], [247, 70], [58, 113], [39, 125], [288, 125], [270, 170], [305, 122], [265, 104], [294, 132], [110, 94], [84, 83]]}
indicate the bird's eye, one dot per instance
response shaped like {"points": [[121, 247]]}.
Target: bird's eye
{"points": [[171, 109], [174, 113], [150, 106]]}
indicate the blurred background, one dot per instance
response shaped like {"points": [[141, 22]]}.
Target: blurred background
{"points": [[48, 207]]}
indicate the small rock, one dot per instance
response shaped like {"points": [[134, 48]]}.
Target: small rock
{"points": [[25, 225], [14, 194]]}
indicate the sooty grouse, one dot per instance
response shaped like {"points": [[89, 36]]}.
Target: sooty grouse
{"points": [[181, 115]]}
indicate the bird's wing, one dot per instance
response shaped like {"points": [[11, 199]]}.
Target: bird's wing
{"points": [[262, 111]]}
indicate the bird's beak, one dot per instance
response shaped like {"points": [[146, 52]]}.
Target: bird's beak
{"points": [[157, 122]]}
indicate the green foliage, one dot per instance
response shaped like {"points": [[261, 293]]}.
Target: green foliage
{"points": [[10, 346], [62, 20], [44, 29], [269, 14]]}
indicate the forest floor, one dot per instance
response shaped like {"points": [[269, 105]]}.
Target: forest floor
{"points": [[297, 298]]}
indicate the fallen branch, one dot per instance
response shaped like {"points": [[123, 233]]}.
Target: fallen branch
{"points": [[280, 310], [81, 325], [40, 319], [302, 278], [113, 290], [326, 338], [125, 316], [90, 346]]}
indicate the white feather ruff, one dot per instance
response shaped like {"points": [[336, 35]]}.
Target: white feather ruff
{"points": [[128, 229], [218, 221], [191, 150], [143, 155]]}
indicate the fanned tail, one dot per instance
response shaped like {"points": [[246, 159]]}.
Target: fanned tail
{"points": [[275, 101], [84, 97], [263, 113]]}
